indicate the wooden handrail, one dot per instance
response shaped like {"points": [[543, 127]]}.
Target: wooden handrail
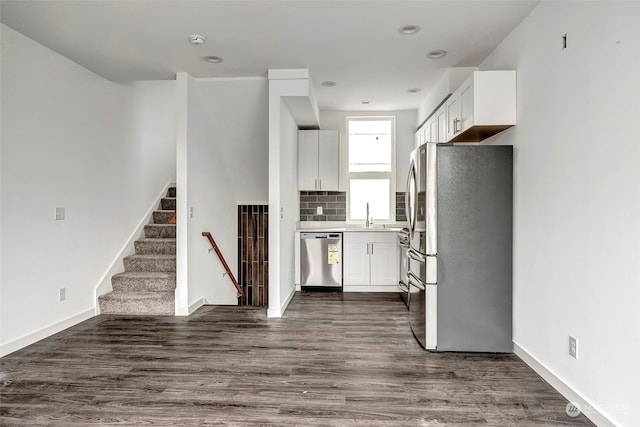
{"points": [[222, 260]]}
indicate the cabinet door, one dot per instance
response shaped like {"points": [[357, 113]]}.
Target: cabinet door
{"points": [[428, 137], [384, 264], [328, 160], [433, 129], [355, 261], [441, 119], [466, 104], [452, 107], [307, 160], [420, 136]]}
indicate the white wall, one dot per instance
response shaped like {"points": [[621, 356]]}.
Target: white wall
{"points": [[405, 129], [289, 201], [75, 140], [283, 179], [227, 163], [577, 197]]}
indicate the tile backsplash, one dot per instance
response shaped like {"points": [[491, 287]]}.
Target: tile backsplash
{"points": [[334, 206], [401, 215]]}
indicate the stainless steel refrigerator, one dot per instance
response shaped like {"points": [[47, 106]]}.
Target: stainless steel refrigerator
{"points": [[459, 208]]}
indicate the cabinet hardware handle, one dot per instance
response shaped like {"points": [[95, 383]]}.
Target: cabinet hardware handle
{"points": [[320, 184]]}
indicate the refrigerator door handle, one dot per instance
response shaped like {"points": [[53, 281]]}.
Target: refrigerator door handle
{"points": [[410, 203], [431, 267]]}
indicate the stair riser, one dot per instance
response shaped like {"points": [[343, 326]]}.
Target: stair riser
{"points": [[153, 231], [163, 265], [124, 284], [171, 192], [160, 248], [162, 217], [157, 304], [168, 204]]}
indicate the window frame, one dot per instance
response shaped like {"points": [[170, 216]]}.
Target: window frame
{"points": [[391, 175]]}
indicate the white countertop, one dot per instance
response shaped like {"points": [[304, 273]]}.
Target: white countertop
{"points": [[328, 227]]}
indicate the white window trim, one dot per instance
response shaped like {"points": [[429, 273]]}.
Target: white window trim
{"points": [[369, 175]]}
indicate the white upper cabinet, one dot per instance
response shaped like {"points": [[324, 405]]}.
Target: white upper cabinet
{"points": [[441, 124], [307, 159], [452, 112], [329, 160], [433, 129], [420, 135], [482, 106], [318, 160]]}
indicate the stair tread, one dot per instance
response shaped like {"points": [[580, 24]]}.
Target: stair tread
{"points": [[158, 239], [150, 256], [137, 295], [149, 274]]}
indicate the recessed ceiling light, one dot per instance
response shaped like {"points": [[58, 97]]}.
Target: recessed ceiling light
{"points": [[328, 83], [414, 90], [437, 54], [409, 29], [365, 102], [213, 59], [196, 39]]}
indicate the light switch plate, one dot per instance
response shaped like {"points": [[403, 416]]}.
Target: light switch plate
{"points": [[573, 347], [60, 214]]}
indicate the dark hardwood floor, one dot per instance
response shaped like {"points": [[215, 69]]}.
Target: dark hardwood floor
{"points": [[333, 359]]}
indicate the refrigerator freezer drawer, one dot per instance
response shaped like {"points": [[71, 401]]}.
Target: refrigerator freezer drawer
{"points": [[423, 312], [424, 267]]}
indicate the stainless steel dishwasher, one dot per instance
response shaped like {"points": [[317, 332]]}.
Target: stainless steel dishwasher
{"points": [[321, 260]]}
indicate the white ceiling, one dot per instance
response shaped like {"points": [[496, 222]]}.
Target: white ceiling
{"points": [[354, 43]]}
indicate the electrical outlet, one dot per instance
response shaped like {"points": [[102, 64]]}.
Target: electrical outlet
{"points": [[573, 347], [62, 294], [319, 210]]}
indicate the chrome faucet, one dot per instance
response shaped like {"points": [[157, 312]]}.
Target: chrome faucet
{"points": [[366, 221]]}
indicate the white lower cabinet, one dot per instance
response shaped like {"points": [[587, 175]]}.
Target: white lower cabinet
{"points": [[370, 261]]}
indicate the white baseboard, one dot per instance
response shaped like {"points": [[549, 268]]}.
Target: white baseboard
{"points": [[564, 389], [196, 305], [117, 265], [45, 332], [278, 312]]}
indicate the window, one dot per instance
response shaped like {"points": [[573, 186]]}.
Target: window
{"points": [[371, 168]]}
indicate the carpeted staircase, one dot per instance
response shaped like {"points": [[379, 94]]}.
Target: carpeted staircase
{"points": [[149, 280]]}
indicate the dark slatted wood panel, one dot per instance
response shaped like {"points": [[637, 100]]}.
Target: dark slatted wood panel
{"points": [[253, 254]]}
